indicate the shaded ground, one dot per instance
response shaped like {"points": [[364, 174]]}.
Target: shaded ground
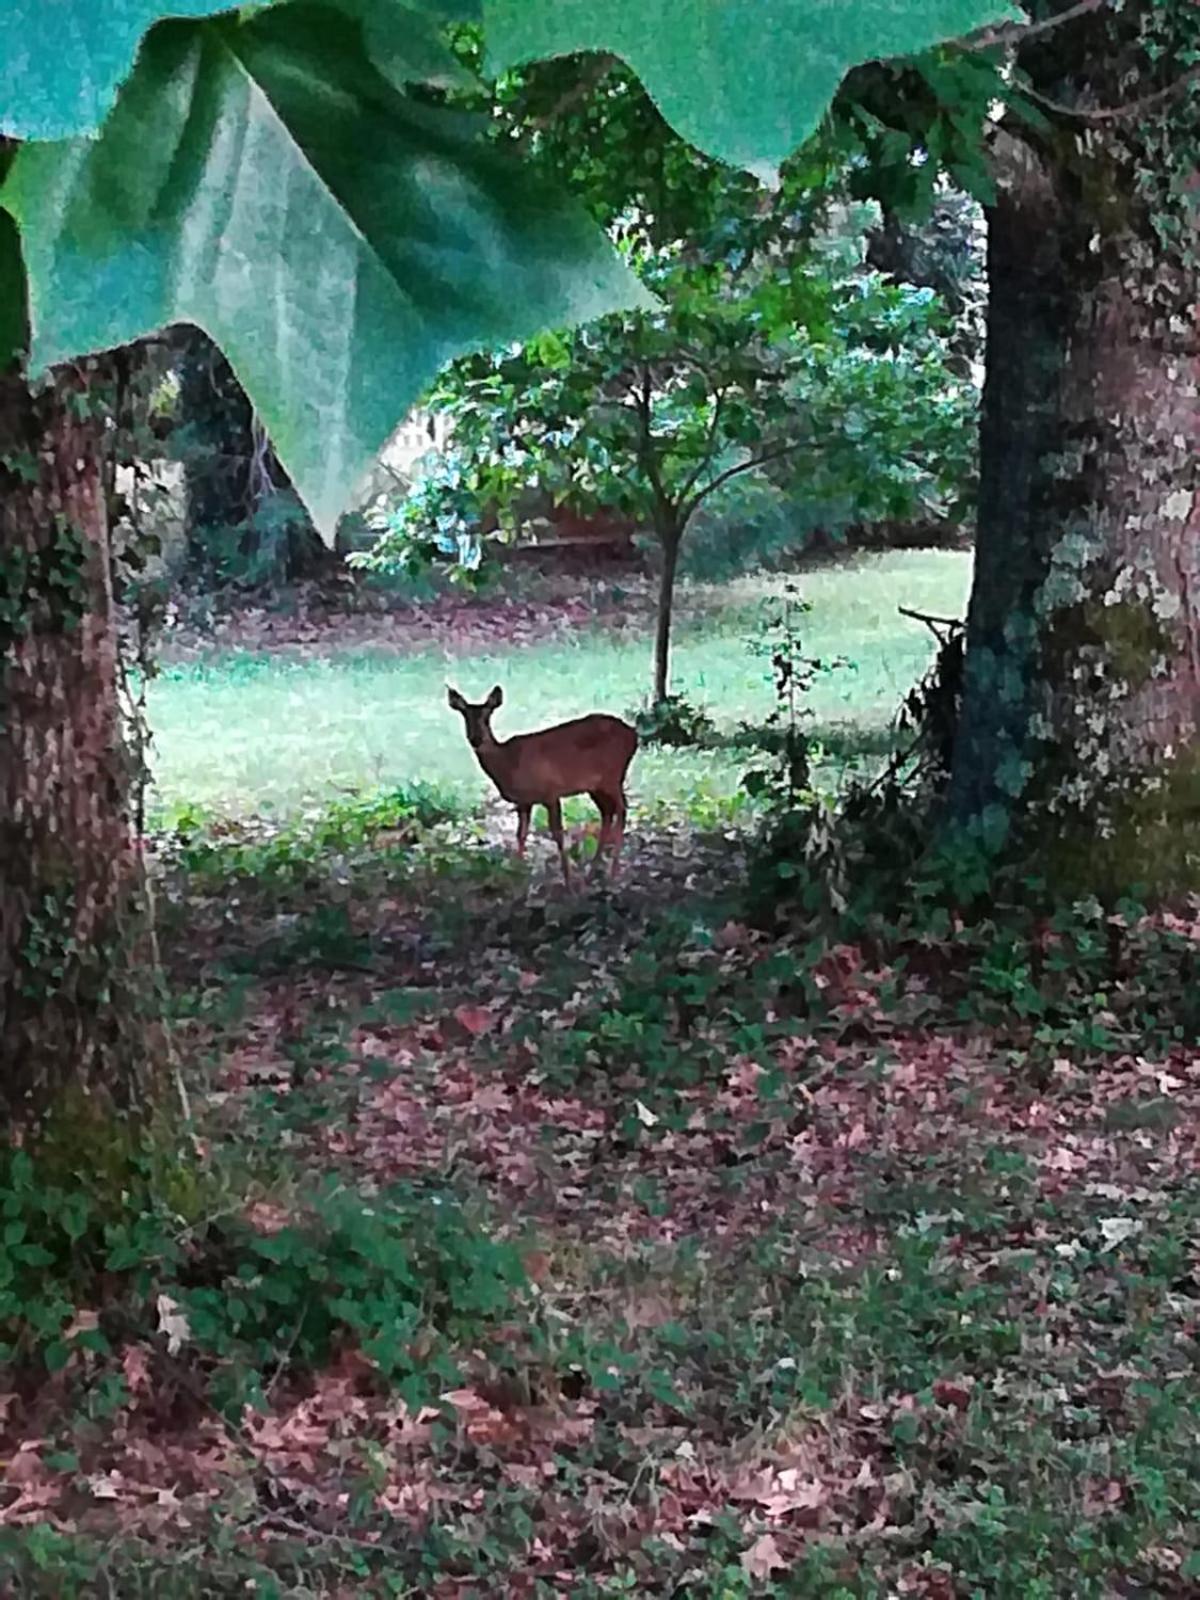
{"points": [[548, 609], [852, 1270]]}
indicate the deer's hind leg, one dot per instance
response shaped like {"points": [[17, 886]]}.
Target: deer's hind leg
{"points": [[618, 830], [554, 818], [611, 812]]}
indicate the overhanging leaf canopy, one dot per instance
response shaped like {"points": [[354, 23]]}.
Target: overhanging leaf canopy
{"points": [[339, 240], [62, 61], [745, 80]]}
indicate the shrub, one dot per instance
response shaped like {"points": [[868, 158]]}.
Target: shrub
{"points": [[400, 1274], [675, 721]]}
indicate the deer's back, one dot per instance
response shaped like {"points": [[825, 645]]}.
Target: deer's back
{"points": [[586, 755]]}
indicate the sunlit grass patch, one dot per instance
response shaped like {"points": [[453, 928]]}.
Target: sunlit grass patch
{"points": [[270, 732]]}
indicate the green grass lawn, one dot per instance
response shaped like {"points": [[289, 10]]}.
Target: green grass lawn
{"points": [[245, 733]]}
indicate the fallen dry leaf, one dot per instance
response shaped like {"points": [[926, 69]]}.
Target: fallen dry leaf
{"points": [[763, 1557]]}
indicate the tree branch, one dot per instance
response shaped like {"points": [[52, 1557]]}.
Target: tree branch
{"points": [[694, 477], [1018, 32], [645, 442], [739, 467], [597, 71], [934, 624], [1112, 113]]}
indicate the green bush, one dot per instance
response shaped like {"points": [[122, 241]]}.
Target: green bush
{"points": [[266, 852], [675, 721], [384, 1273], [401, 1275]]}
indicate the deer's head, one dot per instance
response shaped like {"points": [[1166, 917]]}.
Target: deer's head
{"points": [[478, 718]]}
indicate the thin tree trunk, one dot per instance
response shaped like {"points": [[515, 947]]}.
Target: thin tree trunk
{"points": [[1078, 740], [72, 989], [670, 537]]}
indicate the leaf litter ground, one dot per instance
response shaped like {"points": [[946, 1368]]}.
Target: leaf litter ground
{"points": [[847, 1274]]}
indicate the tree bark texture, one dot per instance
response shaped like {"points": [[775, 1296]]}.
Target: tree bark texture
{"points": [[71, 1012], [1082, 678]]}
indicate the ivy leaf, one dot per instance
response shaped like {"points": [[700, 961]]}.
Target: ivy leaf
{"points": [[62, 61], [745, 80], [339, 241]]}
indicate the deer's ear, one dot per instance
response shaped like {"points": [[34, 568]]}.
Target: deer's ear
{"points": [[496, 698], [457, 703]]}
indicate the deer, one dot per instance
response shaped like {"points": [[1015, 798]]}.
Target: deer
{"points": [[589, 755]]}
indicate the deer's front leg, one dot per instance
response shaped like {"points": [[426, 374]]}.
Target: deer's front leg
{"points": [[523, 815]]}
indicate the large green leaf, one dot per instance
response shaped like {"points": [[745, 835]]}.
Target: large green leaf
{"points": [[339, 241], [745, 80], [404, 38], [62, 61]]}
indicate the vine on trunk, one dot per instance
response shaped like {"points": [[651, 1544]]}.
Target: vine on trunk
{"points": [[75, 988], [1082, 688]]}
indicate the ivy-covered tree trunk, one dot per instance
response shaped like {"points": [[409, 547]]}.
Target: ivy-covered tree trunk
{"points": [[1078, 740], [71, 1012]]}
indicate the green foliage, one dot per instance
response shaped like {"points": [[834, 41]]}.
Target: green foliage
{"points": [[121, 235], [245, 525], [121, 238], [784, 779], [61, 65], [797, 848], [674, 721], [46, 585], [115, 230], [880, 844], [213, 852], [908, 128], [814, 369], [395, 1274], [769, 356], [63, 1230], [754, 525], [749, 82], [435, 527], [269, 546], [379, 1273]]}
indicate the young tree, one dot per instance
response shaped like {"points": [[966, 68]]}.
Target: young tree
{"points": [[771, 351], [803, 365]]}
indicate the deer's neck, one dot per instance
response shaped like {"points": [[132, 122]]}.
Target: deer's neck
{"points": [[497, 758]]}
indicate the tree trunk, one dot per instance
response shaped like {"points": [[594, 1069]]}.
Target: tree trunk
{"points": [[71, 994], [670, 536], [1078, 744]]}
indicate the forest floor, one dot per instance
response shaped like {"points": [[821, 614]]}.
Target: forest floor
{"points": [[591, 1243], [535, 1242]]}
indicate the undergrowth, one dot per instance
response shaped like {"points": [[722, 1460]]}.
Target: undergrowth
{"points": [[538, 1244]]}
